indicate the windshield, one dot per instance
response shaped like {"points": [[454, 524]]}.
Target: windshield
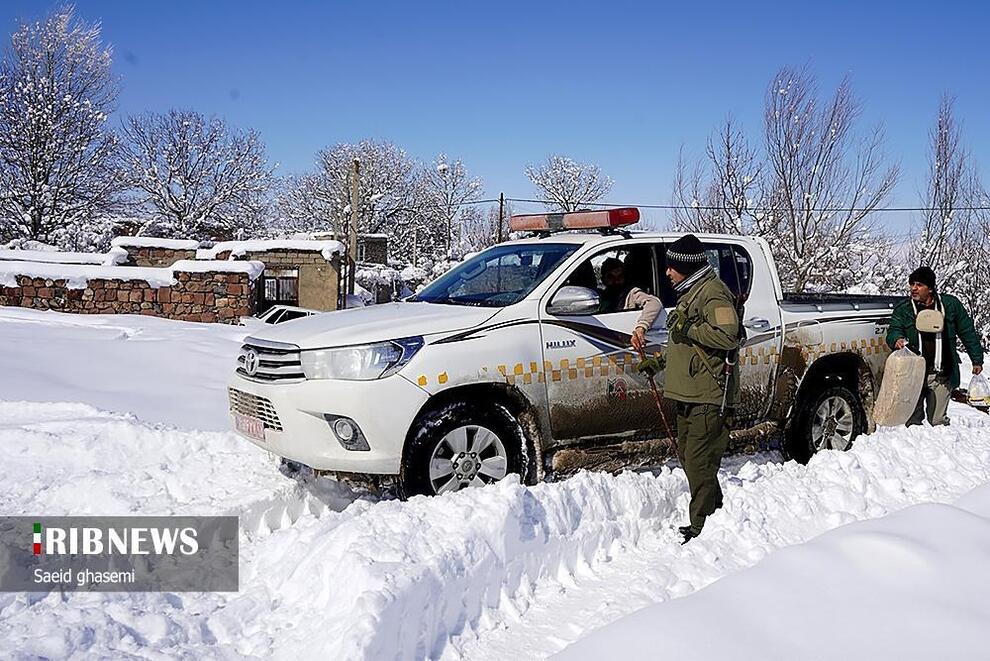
{"points": [[497, 277]]}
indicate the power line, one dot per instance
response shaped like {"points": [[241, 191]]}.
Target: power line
{"points": [[682, 207]]}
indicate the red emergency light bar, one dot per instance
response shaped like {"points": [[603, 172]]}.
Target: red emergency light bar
{"points": [[576, 220]]}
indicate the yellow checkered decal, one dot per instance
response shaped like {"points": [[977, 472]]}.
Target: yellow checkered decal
{"points": [[567, 370], [863, 346], [758, 355], [563, 370], [625, 363]]}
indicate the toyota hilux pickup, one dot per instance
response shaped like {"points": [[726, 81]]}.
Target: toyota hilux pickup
{"points": [[510, 363]]}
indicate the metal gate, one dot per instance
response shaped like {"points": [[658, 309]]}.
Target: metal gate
{"points": [[279, 287]]}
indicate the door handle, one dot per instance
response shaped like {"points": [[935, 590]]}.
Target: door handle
{"points": [[757, 323]]}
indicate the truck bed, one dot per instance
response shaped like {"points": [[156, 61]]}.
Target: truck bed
{"points": [[803, 301]]}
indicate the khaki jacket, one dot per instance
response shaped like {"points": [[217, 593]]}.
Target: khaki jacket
{"points": [[695, 368]]}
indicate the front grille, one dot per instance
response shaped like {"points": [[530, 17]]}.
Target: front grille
{"points": [[255, 407], [273, 361]]}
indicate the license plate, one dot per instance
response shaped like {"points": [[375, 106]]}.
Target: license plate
{"points": [[250, 427]]}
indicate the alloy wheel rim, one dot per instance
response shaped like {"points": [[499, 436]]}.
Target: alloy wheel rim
{"points": [[467, 456], [833, 425]]}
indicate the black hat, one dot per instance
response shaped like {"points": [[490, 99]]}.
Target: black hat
{"points": [[686, 255], [923, 275]]}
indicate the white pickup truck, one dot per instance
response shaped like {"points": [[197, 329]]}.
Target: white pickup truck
{"points": [[509, 364]]}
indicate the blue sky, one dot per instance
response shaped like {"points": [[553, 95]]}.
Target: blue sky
{"points": [[504, 84]]}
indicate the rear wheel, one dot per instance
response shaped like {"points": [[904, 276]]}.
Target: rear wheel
{"points": [[461, 445], [831, 421]]}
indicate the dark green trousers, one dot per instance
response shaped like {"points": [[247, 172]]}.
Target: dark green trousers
{"points": [[702, 437]]}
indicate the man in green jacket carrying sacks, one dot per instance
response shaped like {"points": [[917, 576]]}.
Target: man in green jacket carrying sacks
{"points": [[935, 341], [704, 335]]}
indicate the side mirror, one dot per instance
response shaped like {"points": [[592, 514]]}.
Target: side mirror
{"points": [[571, 300]]}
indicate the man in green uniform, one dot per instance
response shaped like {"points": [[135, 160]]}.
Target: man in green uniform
{"points": [[704, 333], [938, 348]]}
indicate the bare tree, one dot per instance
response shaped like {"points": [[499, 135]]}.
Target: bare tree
{"points": [[305, 205], [568, 184], [973, 287], [196, 177], [446, 188], [952, 190], [717, 194], [480, 227], [823, 183], [953, 235], [811, 192], [389, 193], [58, 168]]}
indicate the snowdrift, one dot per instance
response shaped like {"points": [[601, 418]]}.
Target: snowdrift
{"points": [[501, 572]]}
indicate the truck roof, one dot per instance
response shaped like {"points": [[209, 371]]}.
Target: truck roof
{"points": [[586, 237]]}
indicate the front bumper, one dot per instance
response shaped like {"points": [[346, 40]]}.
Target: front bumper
{"points": [[384, 409]]}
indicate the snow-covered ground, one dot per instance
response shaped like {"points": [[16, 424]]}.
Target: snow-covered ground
{"points": [[162, 371], [127, 415], [911, 585]]}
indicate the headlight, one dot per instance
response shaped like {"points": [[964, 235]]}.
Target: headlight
{"points": [[360, 363]]}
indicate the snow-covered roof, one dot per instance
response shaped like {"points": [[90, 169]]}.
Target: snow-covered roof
{"points": [[77, 276], [252, 268], [112, 258], [372, 236], [328, 249], [151, 242]]}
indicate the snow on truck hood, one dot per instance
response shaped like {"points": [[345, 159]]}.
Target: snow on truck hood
{"points": [[375, 323]]}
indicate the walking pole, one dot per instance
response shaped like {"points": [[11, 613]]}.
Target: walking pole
{"points": [[659, 401]]}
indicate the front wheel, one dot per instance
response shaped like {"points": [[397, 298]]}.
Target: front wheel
{"points": [[832, 421], [461, 445]]}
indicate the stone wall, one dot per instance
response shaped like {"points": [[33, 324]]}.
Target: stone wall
{"points": [[155, 256], [195, 296], [317, 277]]}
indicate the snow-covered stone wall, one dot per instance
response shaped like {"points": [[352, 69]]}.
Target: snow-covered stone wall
{"points": [[208, 293], [315, 264], [307, 271], [146, 251]]}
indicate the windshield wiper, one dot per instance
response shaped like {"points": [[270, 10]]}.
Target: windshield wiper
{"points": [[447, 300]]}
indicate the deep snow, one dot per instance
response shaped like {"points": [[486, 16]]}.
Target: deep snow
{"points": [[911, 585], [162, 371], [135, 422]]}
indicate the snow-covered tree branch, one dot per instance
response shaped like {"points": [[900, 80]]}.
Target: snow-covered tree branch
{"points": [[58, 160], [446, 187], [812, 191], [952, 236], [480, 227], [567, 184], [196, 177], [718, 192], [824, 182]]}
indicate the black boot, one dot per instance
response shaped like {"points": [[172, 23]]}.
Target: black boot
{"points": [[687, 534]]}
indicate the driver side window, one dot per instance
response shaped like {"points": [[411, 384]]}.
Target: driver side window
{"points": [[614, 273]]}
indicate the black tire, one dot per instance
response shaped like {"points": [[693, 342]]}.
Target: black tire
{"points": [[433, 425], [802, 443]]}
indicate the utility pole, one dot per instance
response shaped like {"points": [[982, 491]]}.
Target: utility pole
{"points": [[501, 214], [353, 230]]}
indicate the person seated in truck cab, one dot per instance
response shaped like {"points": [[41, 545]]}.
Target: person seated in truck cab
{"points": [[620, 295], [584, 276]]}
